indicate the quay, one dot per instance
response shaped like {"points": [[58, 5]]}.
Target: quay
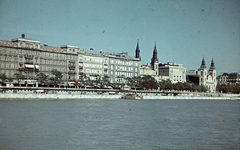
{"points": [[82, 93]]}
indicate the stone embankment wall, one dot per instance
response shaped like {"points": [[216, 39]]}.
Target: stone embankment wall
{"points": [[91, 94]]}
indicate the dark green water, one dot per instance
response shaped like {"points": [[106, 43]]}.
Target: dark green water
{"points": [[119, 124]]}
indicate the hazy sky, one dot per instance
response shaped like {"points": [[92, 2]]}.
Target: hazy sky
{"points": [[184, 30]]}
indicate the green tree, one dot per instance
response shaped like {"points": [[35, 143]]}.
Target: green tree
{"points": [[57, 77], [19, 76], [148, 82], [42, 78], [129, 82], [3, 77], [136, 81], [187, 86], [10, 79], [104, 82], [82, 79]]}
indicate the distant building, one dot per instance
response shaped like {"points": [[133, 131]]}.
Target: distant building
{"points": [[202, 77], [121, 66], [172, 71], [92, 63], [229, 79], [30, 58]]}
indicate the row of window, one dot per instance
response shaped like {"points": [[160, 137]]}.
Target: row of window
{"points": [[124, 68], [30, 52], [126, 74], [94, 71], [128, 63], [93, 65]]}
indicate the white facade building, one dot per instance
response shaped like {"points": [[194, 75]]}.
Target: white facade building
{"points": [[174, 72]]}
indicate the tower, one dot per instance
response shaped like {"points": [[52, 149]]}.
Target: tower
{"points": [[154, 60], [137, 51], [212, 74], [202, 72]]}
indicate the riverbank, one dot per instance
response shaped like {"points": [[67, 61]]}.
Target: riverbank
{"points": [[10, 93], [38, 96]]}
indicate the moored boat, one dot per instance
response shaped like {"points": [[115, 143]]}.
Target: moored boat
{"points": [[132, 96]]}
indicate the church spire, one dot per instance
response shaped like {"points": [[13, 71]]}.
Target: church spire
{"points": [[137, 51], [154, 58], [203, 65], [212, 67]]}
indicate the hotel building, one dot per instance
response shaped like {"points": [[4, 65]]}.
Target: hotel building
{"points": [[29, 57]]}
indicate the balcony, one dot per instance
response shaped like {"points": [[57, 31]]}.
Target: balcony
{"points": [[80, 67], [28, 56], [71, 72], [28, 62], [72, 61], [20, 69], [71, 66]]}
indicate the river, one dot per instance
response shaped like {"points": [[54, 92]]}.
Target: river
{"points": [[119, 124]]}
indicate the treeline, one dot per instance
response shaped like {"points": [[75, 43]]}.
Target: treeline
{"points": [[228, 88], [141, 83], [148, 82]]}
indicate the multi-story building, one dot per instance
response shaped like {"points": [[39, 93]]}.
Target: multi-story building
{"points": [[174, 72], [29, 57], [121, 66], [92, 63], [229, 79]]}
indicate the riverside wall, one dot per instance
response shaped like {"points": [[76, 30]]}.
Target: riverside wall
{"points": [[26, 93]]}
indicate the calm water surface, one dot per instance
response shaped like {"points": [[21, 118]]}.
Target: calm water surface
{"points": [[119, 124]]}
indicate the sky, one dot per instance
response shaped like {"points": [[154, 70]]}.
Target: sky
{"points": [[185, 31]]}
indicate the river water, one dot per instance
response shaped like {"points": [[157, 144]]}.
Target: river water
{"points": [[119, 124]]}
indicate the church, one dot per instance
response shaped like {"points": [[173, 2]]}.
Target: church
{"points": [[172, 71], [204, 77]]}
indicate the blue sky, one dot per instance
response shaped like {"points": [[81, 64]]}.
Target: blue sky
{"points": [[184, 30]]}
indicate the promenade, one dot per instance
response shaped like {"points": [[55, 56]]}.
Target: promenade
{"points": [[10, 93]]}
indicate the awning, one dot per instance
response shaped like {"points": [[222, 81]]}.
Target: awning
{"points": [[36, 66], [29, 66]]}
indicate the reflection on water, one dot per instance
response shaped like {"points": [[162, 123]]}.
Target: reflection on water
{"points": [[119, 124]]}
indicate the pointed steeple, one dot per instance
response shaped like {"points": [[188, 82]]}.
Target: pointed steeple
{"points": [[154, 57], [137, 51], [203, 65], [212, 67]]}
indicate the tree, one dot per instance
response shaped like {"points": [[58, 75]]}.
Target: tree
{"points": [[42, 78], [75, 82], [57, 77], [10, 79], [97, 80], [19, 76], [136, 81], [82, 79], [129, 82], [105, 81], [3, 77], [148, 82]]}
